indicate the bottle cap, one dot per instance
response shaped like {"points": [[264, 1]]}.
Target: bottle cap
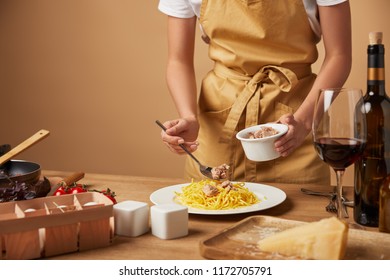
{"points": [[375, 38]]}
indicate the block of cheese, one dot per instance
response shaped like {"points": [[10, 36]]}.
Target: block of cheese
{"points": [[322, 240]]}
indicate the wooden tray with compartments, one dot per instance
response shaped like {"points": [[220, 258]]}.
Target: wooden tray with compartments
{"points": [[240, 241], [49, 226]]}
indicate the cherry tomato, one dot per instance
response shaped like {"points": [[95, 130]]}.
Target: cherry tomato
{"points": [[108, 193], [72, 189], [60, 191], [77, 188]]}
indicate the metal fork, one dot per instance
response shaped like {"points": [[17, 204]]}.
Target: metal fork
{"points": [[205, 170], [331, 207], [346, 201], [326, 194]]}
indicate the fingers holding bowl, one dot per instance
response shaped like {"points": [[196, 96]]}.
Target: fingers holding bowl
{"points": [[261, 149]]}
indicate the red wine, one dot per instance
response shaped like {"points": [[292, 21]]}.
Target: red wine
{"points": [[374, 166], [339, 153]]}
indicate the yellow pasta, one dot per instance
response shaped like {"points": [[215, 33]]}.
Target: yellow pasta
{"points": [[193, 196]]}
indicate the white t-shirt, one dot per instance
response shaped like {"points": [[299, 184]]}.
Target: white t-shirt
{"points": [[190, 8]]}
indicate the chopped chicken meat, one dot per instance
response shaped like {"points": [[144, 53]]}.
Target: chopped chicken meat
{"points": [[227, 185], [210, 190], [220, 172], [263, 132]]}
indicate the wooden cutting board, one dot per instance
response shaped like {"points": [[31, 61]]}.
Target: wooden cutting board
{"points": [[240, 241]]}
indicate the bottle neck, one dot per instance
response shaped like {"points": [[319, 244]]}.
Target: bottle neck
{"points": [[375, 88], [376, 69]]}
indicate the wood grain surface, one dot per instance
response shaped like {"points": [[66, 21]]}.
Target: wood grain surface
{"points": [[297, 207]]}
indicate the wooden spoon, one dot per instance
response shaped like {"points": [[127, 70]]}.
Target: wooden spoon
{"points": [[72, 178], [57, 182], [24, 145]]}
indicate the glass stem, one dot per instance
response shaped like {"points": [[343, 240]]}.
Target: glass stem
{"points": [[339, 192]]}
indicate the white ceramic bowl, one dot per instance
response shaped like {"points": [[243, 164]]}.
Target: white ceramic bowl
{"points": [[261, 149]]}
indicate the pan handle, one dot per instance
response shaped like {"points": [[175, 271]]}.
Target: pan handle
{"points": [[24, 145]]}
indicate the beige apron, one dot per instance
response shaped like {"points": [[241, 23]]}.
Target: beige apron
{"points": [[263, 51]]}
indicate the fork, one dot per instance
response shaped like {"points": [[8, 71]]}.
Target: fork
{"points": [[331, 207], [205, 170], [310, 192], [346, 201]]}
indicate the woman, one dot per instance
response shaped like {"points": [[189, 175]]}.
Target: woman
{"points": [[263, 51]]}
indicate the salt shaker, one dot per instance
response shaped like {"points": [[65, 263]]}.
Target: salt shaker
{"points": [[131, 218], [384, 206], [169, 221]]}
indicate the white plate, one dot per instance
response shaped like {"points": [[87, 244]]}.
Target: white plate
{"points": [[269, 197]]}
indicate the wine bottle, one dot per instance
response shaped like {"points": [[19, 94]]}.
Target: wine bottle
{"points": [[374, 165], [384, 206]]}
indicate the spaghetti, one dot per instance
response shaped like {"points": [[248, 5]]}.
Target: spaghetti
{"points": [[226, 198]]}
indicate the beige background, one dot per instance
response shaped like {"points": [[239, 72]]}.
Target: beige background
{"points": [[92, 72]]}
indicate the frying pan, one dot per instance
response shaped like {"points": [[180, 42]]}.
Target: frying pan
{"points": [[19, 170]]}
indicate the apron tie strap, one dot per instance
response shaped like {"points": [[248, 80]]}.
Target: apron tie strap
{"points": [[249, 98]]}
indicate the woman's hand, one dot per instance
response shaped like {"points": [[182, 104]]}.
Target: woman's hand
{"points": [[294, 137], [181, 131], [182, 85]]}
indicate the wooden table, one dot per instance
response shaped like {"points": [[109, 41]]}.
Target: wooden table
{"points": [[297, 206]]}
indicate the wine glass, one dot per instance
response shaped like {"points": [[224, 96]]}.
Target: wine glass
{"points": [[339, 131]]}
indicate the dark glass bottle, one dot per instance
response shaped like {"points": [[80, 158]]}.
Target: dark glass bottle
{"points": [[373, 167], [384, 206]]}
